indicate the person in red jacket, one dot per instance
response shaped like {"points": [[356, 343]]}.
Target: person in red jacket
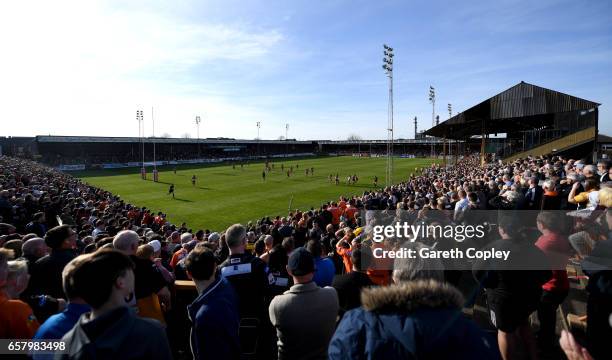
{"points": [[557, 249]]}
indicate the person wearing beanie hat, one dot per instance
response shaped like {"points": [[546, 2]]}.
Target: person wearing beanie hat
{"points": [[302, 336]]}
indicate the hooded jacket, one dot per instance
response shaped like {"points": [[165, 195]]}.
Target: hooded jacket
{"points": [[118, 334], [413, 320]]}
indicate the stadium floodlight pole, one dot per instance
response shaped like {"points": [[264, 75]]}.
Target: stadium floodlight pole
{"points": [[432, 99], [140, 119], [198, 121], [450, 144], [258, 123], [388, 67], [286, 140], [153, 120]]}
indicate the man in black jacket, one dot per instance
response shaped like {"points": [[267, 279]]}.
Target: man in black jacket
{"points": [[47, 271], [214, 313], [37, 225], [349, 285], [603, 167], [249, 278], [513, 287]]}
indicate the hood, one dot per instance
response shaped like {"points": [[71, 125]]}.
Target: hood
{"points": [[103, 333], [411, 296]]}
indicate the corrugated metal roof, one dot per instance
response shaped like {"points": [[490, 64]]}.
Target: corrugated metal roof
{"points": [[522, 101]]}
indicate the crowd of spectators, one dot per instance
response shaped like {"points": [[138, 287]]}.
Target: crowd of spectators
{"points": [[79, 263]]}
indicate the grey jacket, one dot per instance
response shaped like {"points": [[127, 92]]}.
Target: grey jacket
{"points": [[119, 334], [304, 318]]}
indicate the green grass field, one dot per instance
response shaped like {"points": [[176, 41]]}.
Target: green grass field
{"points": [[223, 196]]}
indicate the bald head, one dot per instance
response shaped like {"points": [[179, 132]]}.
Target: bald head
{"points": [[34, 247], [126, 241]]}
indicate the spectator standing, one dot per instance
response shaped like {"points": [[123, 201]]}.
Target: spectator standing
{"points": [[349, 286], [56, 326], [34, 249], [557, 249], [598, 267], [37, 225], [100, 228], [305, 315], [550, 197], [47, 271], [182, 253], [151, 289], [214, 313], [104, 280], [462, 204], [249, 277], [603, 167], [324, 267], [533, 196], [513, 295], [419, 317], [17, 321]]}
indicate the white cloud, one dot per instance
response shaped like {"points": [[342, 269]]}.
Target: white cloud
{"points": [[66, 65]]}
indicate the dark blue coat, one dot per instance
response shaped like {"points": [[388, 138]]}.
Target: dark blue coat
{"points": [[409, 329], [215, 322]]}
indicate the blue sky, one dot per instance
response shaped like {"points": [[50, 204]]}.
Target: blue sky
{"points": [[85, 67]]}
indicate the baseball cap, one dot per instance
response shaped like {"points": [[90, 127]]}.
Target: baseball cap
{"points": [[301, 262], [155, 244]]}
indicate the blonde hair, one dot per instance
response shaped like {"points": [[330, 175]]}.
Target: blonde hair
{"points": [[5, 255], [17, 268], [145, 251], [605, 197]]}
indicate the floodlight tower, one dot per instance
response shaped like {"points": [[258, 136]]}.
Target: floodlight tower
{"points": [[432, 99], [450, 143], [286, 140], [415, 127], [258, 126], [198, 120], [155, 173], [388, 67], [140, 119]]}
